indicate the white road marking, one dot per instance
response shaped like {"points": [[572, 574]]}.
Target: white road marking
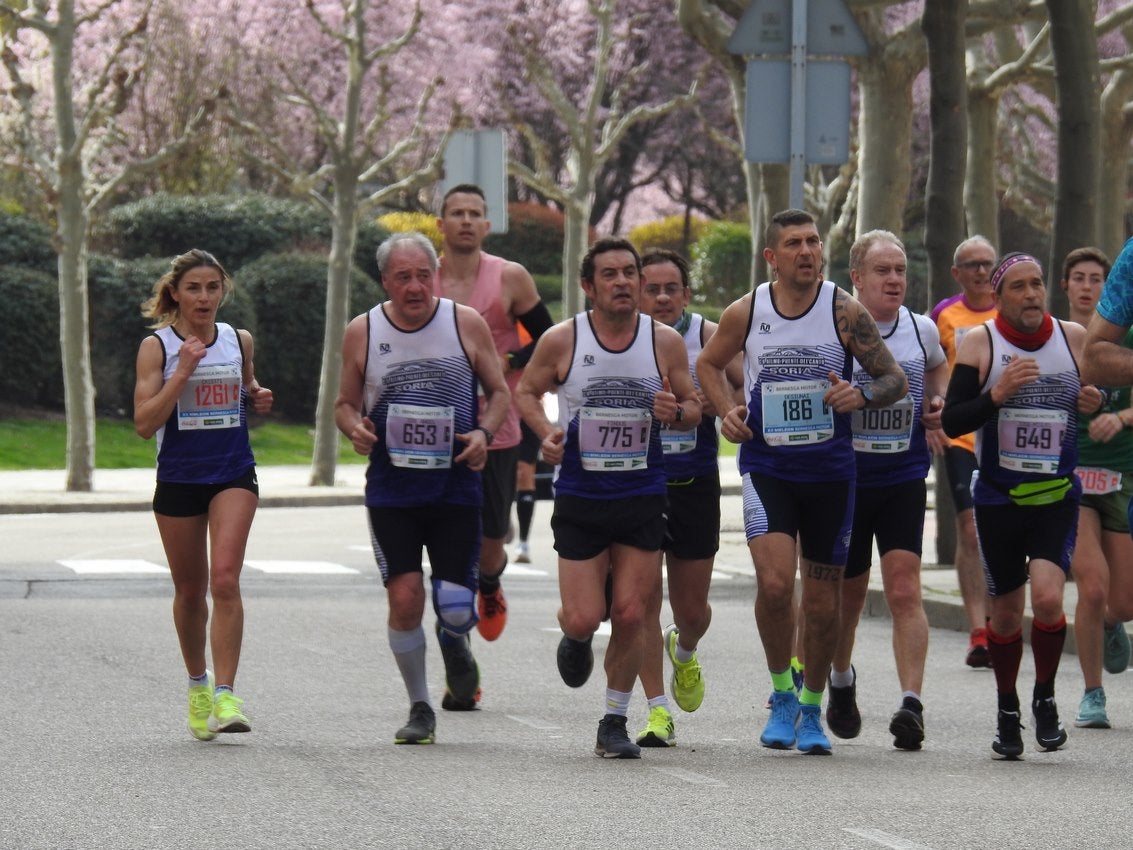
{"points": [[533, 722], [894, 842], [513, 569], [603, 629], [522, 570], [690, 777], [102, 566], [322, 568]]}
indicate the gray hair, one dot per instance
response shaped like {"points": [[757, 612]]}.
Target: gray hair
{"points": [[968, 243], [866, 241], [408, 239]]}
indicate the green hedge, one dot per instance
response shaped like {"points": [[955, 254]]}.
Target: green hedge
{"points": [[550, 287], [721, 263], [288, 292], [31, 371], [237, 229], [534, 238], [26, 242]]}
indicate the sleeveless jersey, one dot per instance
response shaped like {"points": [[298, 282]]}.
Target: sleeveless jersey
{"points": [[420, 392], [954, 318], [890, 442], [205, 439], [1117, 454], [613, 443], [689, 454], [484, 298], [786, 364], [1033, 437]]}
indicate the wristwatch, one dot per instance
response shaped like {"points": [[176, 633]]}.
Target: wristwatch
{"points": [[867, 394], [680, 417], [488, 435]]}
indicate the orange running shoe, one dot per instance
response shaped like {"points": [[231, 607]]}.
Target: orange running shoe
{"points": [[978, 654], [492, 608]]}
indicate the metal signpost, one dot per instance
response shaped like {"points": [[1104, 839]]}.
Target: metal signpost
{"points": [[480, 157], [787, 78]]}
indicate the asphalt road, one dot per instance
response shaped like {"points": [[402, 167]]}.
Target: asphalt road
{"points": [[95, 753]]}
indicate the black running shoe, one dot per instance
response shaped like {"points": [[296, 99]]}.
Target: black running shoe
{"points": [[613, 740], [576, 660], [1048, 728], [1009, 739], [842, 715], [907, 725], [462, 675], [420, 728], [451, 703]]}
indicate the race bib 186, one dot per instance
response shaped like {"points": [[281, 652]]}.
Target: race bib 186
{"points": [[794, 413]]}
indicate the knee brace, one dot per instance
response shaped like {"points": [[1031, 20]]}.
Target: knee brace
{"points": [[455, 606]]}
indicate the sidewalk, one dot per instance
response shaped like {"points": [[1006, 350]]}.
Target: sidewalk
{"points": [[42, 491]]}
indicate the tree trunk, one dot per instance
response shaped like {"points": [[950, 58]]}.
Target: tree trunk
{"points": [[575, 245], [74, 315], [885, 130], [981, 195], [943, 25], [74, 330], [1077, 84], [344, 227], [1117, 134]]}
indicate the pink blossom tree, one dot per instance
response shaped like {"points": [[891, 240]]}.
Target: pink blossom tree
{"points": [[364, 139], [67, 131]]}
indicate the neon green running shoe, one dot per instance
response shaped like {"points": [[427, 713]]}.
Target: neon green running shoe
{"points": [[200, 709], [226, 714], [658, 731], [686, 682]]}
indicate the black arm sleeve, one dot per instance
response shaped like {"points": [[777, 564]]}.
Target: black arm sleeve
{"points": [[535, 321], [965, 407]]}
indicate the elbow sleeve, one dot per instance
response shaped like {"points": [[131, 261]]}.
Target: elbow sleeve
{"points": [[536, 322]]}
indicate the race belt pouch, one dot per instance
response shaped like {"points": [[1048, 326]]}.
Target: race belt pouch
{"points": [[1040, 492]]}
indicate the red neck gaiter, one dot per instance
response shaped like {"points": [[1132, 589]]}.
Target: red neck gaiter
{"points": [[1026, 341]]}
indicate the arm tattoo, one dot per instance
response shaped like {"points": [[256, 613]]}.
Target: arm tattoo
{"points": [[859, 333]]}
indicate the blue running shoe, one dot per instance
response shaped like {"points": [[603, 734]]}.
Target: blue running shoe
{"points": [[812, 740], [1116, 648], [779, 733], [1091, 711]]}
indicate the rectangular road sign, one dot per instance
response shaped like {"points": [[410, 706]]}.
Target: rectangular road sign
{"points": [[480, 157], [767, 112], [765, 29]]}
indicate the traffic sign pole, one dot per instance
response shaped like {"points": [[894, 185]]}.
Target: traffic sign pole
{"points": [[797, 169]]}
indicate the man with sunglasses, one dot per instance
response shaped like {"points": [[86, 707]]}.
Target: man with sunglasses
{"points": [[955, 316]]}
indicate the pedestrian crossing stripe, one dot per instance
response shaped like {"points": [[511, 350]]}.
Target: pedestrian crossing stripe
{"points": [[322, 568], [128, 566], [513, 569], [120, 566]]}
